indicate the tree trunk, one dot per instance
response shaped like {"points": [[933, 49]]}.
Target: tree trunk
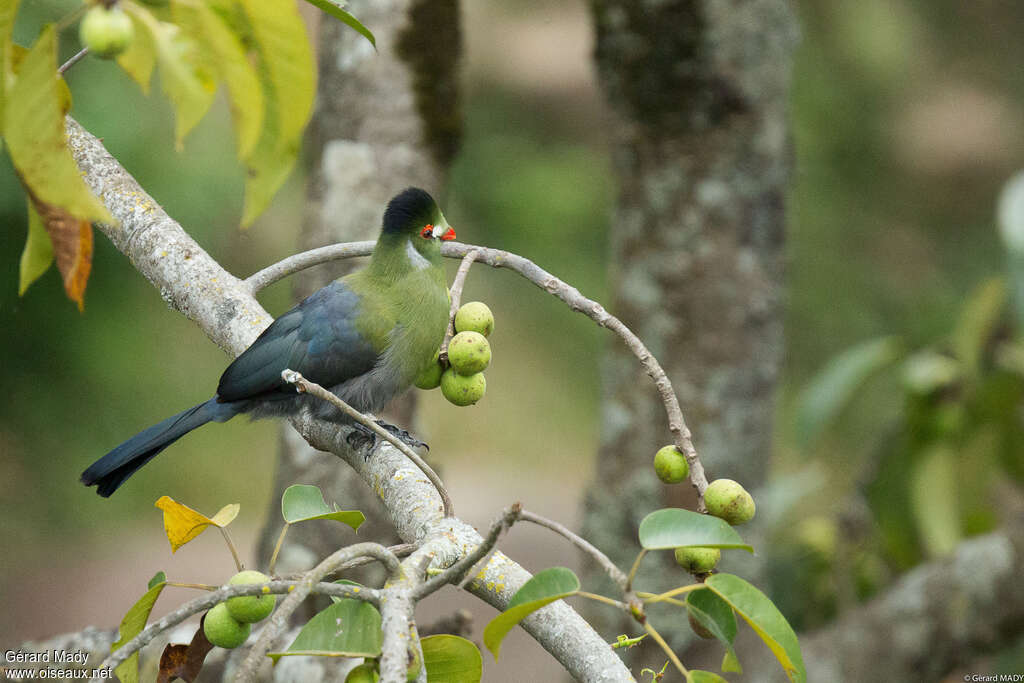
{"points": [[702, 156], [385, 120]]}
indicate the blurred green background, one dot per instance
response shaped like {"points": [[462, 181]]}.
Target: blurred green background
{"points": [[908, 115]]}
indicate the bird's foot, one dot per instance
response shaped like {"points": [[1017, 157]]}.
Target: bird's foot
{"points": [[361, 438], [402, 435]]}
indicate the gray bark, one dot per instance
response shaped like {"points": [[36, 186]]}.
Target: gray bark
{"points": [[385, 120], [701, 154]]}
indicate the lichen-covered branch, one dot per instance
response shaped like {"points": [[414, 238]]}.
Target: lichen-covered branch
{"points": [[223, 307], [209, 599]]}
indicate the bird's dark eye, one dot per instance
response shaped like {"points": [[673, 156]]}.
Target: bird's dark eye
{"points": [[427, 232]]}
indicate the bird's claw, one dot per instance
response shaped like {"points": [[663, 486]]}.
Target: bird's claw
{"points": [[402, 435], [361, 438]]}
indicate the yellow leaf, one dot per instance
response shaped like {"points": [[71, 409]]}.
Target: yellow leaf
{"points": [[33, 127], [139, 58], [189, 87], [38, 253], [225, 50], [288, 77], [182, 523]]}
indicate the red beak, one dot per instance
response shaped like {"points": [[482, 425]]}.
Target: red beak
{"points": [[448, 235]]}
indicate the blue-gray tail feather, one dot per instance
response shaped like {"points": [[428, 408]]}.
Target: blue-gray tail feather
{"points": [[110, 471]]}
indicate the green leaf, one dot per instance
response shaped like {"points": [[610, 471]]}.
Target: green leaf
{"points": [[348, 628], [544, 588], [831, 390], [224, 49], [37, 255], [698, 676], [766, 620], [158, 578], [288, 77], [714, 614], [303, 502], [337, 10], [8, 10], [189, 88], [934, 490], [978, 321], [34, 129], [675, 528], [139, 58], [451, 659], [132, 624]]}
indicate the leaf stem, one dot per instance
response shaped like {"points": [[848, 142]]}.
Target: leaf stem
{"points": [[231, 547], [664, 646], [74, 59], [277, 548]]}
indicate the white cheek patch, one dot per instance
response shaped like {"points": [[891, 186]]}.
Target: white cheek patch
{"points": [[437, 231], [415, 257]]}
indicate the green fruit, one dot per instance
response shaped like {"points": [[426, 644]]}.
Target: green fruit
{"points": [[670, 465], [106, 32], [469, 353], [250, 608], [727, 500], [698, 560], [474, 317], [430, 377], [222, 630], [364, 673], [463, 390]]}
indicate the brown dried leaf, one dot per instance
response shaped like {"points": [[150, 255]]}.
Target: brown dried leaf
{"points": [[72, 247], [184, 661]]}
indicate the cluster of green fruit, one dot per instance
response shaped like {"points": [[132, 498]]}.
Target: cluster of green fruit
{"points": [[469, 354], [106, 31], [229, 623], [724, 498]]}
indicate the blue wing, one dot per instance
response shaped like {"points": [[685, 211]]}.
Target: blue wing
{"points": [[317, 338]]}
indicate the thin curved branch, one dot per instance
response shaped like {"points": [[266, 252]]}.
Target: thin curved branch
{"points": [[279, 620], [568, 294], [616, 574], [209, 599], [456, 299], [305, 386]]}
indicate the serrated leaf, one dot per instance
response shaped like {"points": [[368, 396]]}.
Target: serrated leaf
{"points": [[139, 58], [131, 625], [348, 628], [302, 502], [676, 528], [451, 659], [698, 676], [189, 88], [542, 589], [33, 127], [934, 490], [224, 49], [766, 620], [714, 614], [37, 255], [288, 77], [826, 396], [337, 10], [182, 523], [978, 321]]}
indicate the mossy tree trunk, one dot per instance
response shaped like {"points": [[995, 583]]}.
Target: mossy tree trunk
{"points": [[701, 153]]}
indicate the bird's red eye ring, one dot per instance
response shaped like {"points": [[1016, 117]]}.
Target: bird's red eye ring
{"points": [[427, 232]]}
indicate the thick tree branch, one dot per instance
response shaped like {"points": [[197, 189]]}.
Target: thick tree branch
{"points": [[224, 308]]}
